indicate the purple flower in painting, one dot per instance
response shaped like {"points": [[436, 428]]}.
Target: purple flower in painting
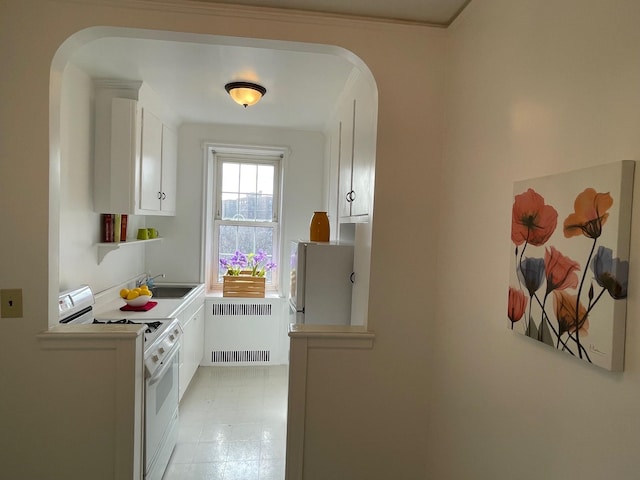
{"points": [[610, 273], [531, 273]]}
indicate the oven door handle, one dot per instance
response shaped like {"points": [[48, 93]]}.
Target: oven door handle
{"points": [[166, 363]]}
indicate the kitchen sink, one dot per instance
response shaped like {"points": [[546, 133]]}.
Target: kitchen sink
{"points": [[170, 291]]}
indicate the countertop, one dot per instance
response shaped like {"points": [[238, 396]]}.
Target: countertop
{"points": [[166, 308]]}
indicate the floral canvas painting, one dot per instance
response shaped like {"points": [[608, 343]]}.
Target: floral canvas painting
{"points": [[569, 268]]}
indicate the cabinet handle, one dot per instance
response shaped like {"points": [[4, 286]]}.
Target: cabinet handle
{"points": [[351, 196], [159, 195], [164, 196], [352, 277]]}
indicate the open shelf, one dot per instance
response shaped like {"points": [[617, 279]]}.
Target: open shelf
{"points": [[104, 248]]}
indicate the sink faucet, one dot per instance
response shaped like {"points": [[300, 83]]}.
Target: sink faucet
{"points": [[148, 280]]}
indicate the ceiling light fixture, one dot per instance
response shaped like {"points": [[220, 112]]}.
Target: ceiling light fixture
{"points": [[245, 93]]}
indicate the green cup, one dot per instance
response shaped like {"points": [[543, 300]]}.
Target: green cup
{"points": [[153, 233], [143, 234]]}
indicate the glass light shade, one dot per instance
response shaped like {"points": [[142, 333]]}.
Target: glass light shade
{"points": [[245, 93]]}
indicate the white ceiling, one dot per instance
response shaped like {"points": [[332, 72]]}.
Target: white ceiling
{"points": [[302, 82]]}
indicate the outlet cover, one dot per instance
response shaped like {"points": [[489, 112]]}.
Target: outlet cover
{"points": [[11, 303]]}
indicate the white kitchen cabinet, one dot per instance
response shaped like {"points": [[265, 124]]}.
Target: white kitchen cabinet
{"points": [[357, 117], [169, 182], [135, 156], [345, 159], [192, 342], [158, 166]]}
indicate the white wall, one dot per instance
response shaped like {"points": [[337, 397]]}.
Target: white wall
{"points": [[535, 88], [179, 254]]}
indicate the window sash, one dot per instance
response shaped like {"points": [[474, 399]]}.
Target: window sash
{"points": [[250, 160], [272, 278], [219, 159]]}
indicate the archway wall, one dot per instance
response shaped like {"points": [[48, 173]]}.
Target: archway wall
{"points": [[409, 149]]}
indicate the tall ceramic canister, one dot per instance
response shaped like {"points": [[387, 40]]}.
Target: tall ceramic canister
{"points": [[319, 227]]}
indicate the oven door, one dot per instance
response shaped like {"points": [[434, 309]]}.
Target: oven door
{"points": [[161, 415]]}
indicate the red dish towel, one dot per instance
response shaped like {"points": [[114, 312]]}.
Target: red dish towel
{"points": [[143, 308]]}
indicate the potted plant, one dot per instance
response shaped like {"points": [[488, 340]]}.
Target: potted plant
{"points": [[245, 274]]}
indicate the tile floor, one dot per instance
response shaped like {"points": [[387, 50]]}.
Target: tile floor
{"points": [[232, 425]]}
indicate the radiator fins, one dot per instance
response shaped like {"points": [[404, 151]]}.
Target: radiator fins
{"points": [[242, 309], [240, 356]]}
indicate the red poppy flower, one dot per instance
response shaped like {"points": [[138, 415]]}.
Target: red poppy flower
{"points": [[517, 304], [568, 319], [560, 270], [590, 214], [532, 221]]}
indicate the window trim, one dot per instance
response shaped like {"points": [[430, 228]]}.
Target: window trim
{"points": [[212, 209]]}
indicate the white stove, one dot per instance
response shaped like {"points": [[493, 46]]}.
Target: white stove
{"points": [[161, 335], [161, 360]]}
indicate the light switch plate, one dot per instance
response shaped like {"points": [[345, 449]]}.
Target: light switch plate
{"points": [[11, 303]]}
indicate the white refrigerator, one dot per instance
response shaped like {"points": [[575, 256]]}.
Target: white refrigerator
{"points": [[321, 282]]}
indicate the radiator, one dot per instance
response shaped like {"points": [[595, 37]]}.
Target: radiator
{"points": [[245, 332]]}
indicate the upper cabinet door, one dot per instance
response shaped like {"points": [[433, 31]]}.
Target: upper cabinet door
{"points": [[364, 152], [151, 162], [345, 190], [169, 170], [358, 123]]}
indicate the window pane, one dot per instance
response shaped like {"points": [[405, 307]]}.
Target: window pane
{"points": [[227, 240], [230, 206], [265, 180], [247, 207], [230, 177], [248, 175], [264, 208], [246, 239], [264, 239]]}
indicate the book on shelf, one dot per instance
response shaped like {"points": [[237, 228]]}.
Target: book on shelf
{"points": [[107, 227], [123, 227], [117, 225]]}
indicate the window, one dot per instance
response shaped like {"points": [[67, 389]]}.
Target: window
{"points": [[246, 210]]}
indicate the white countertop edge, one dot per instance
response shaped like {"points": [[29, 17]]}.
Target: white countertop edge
{"points": [[93, 331], [315, 330], [332, 336]]}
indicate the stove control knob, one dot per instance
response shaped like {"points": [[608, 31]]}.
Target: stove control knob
{"points": [[154, 358], [171, 337], [161, 350]]}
